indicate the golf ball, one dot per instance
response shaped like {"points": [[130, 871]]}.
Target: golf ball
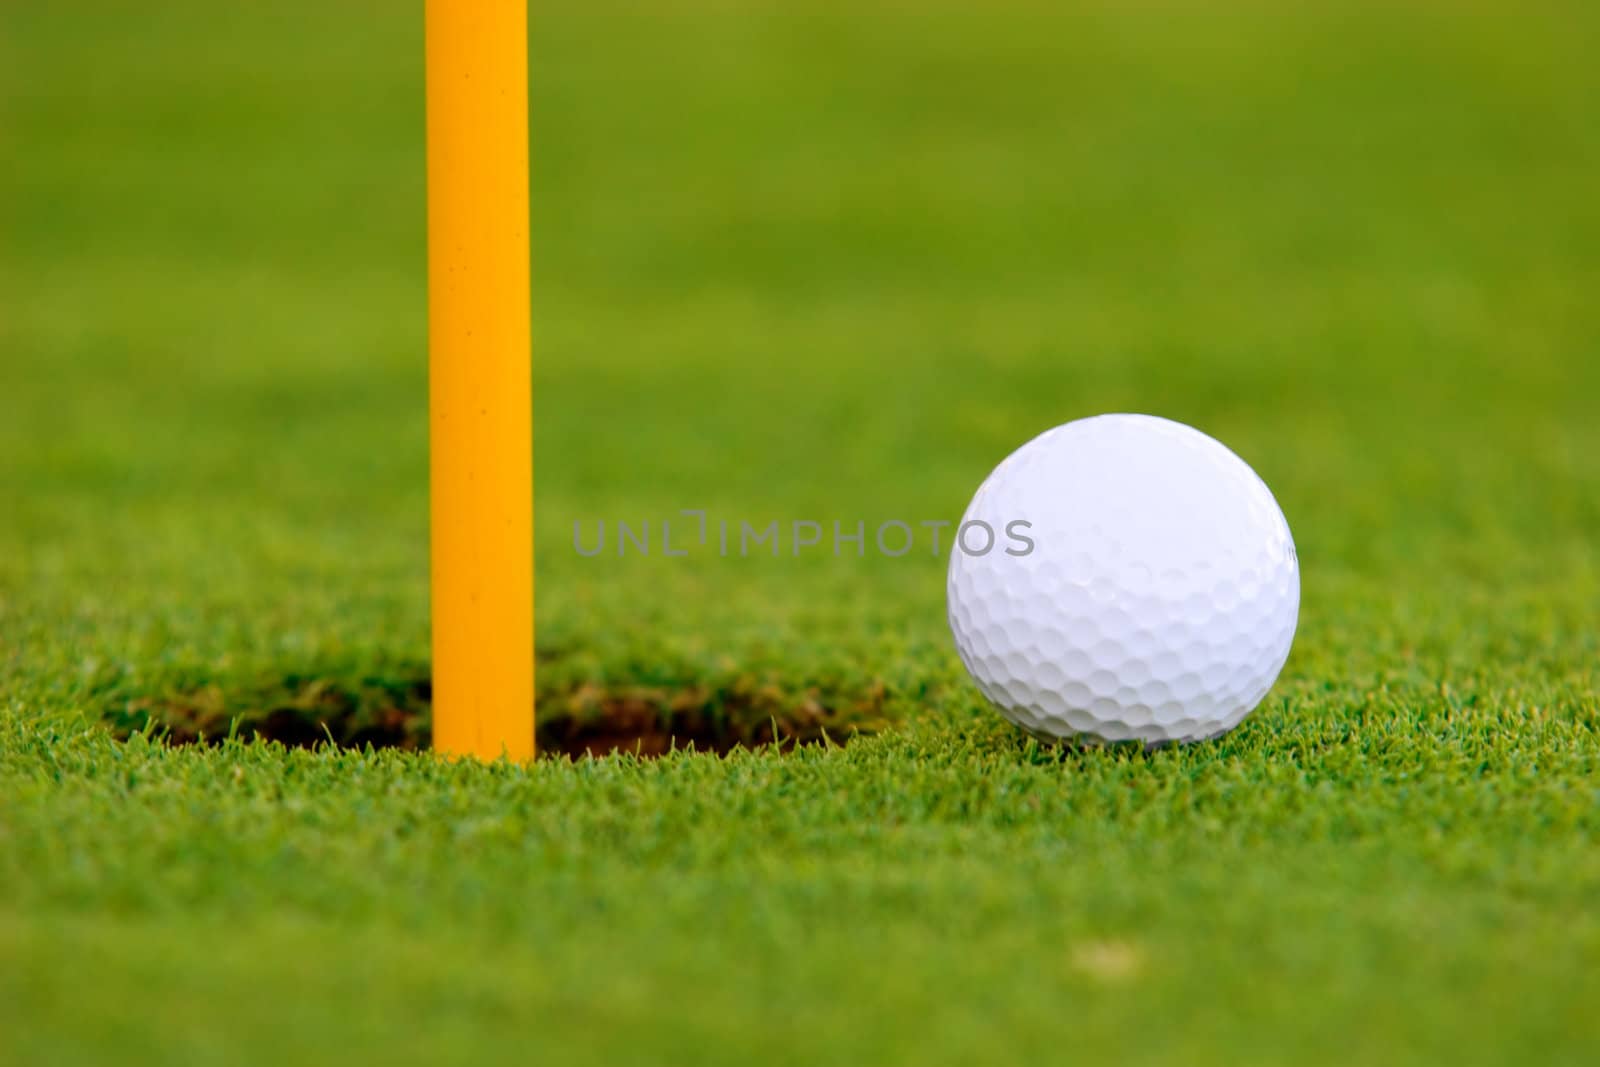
{"points": [[1124, 578]]}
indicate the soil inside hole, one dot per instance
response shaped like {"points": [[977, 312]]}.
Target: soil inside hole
{"points": [[591, 720]]}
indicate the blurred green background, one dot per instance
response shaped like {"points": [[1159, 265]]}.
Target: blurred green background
{"points": [[825, 262]]}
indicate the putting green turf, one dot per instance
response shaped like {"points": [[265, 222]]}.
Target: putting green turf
{"points": [[802, 266]]}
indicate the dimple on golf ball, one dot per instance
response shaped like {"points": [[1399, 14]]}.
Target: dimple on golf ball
{"points": [[1124, 578]]}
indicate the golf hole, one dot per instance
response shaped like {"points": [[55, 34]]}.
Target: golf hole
{"points": [[589, 721]]}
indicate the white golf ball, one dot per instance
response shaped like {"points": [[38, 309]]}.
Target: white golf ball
{"points": [[1140, 584]]}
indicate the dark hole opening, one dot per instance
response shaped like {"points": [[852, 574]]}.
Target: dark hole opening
{"points": [[590, 720]]}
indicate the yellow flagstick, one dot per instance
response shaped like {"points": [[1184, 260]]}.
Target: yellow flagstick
{"points": [[480, 378]]}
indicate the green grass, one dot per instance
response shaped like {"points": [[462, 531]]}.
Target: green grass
{"points": [[802, 264]]}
